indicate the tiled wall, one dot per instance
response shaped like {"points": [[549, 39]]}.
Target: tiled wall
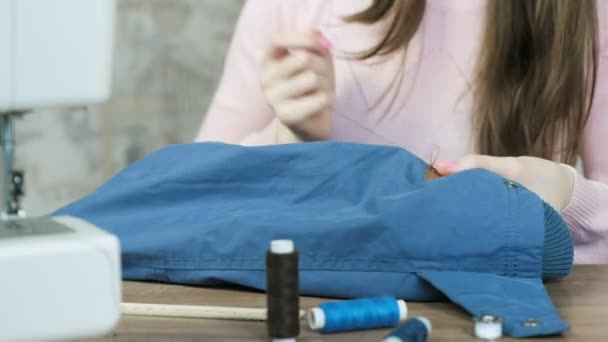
{"points": [[169, 56]]}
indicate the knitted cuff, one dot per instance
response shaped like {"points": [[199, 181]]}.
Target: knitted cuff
{"points": [[558, 250]]}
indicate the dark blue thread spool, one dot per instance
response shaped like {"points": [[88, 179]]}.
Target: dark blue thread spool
{"points": [[413, 330]]}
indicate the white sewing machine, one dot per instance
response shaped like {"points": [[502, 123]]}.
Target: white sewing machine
{"points": [[59, 278]]}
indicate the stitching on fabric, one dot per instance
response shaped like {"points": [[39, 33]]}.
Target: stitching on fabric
{"points": [[309, 259], [228, 265], [516, 232], [327, 259], [508, 230], [395, 268]]}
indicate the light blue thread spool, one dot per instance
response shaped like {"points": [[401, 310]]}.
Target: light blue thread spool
{"points": [[357, 314], [413, 330]]}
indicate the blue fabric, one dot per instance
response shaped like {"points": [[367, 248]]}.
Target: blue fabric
{"points": [[363, 218], [515, 300]]}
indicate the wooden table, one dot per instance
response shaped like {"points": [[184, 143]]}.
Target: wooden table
{"points": [[581, 299]]}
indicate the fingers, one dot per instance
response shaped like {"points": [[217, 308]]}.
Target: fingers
{"points": [[312, 41], [508, 167], [304, 83], [446, 167], [292, 65], [298, 81], [294, 111], [474, 161], [284, 42]]}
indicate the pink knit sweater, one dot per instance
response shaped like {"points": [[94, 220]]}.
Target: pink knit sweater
{"points": [[433, 102]]}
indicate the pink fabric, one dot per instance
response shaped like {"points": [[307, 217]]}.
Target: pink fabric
{"points": [[433, 104]]}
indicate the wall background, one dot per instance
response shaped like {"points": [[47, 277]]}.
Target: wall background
{"points": [[168, 59]]}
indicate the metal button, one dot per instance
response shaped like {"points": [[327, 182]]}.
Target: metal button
{"points": [[511, 184], [531, 323]]}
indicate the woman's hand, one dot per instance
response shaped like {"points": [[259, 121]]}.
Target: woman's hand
{"points": [[299, 84], [553, 182]]}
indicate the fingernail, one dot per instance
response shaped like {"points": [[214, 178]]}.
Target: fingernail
{"points": [[446, 165], [324, 42]]}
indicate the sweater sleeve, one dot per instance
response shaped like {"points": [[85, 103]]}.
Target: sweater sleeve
{"points": [[238, 113], [587, 213]]}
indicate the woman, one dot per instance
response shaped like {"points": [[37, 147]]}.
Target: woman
{"points": [[519, 87]]}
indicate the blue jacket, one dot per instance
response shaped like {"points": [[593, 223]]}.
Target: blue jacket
{"points": [[363, 218]]}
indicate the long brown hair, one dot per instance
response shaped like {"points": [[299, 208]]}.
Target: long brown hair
{"points": [[535, 76]]}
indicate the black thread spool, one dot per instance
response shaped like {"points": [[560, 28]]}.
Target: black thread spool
{"points": [[283, 299]]}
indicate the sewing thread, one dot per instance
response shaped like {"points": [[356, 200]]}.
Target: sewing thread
{"points": [[413, 330], [357, 314], [431, 172], [282, 291], [487, 327]]}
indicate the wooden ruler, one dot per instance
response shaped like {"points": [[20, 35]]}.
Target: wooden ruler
{"points": [[196, 311]]}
